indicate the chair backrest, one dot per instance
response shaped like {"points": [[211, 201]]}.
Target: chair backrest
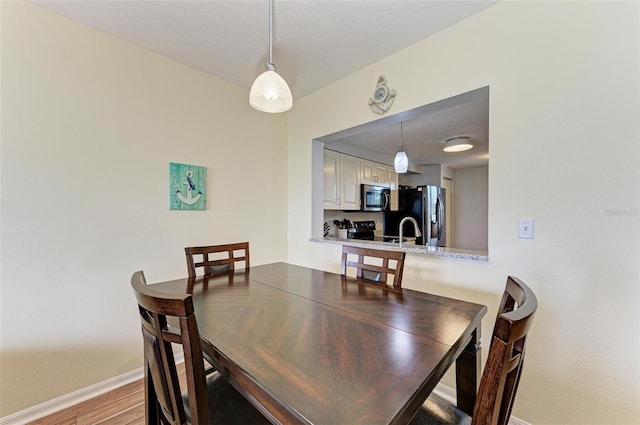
{"points": [[502, 371], [373, 272], [165, 403], [216, 259]]}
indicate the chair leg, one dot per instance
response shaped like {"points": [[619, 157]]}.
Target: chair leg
{"points": [[152, 408]]}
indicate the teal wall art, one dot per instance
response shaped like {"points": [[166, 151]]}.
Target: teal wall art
{"points": [[187, 187]]}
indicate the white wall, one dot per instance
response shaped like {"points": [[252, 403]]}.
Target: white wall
{"points": [[471, 208], [89, 126], [564, 136]]}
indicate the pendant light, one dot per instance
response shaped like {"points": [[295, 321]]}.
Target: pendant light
{"points": [[458, 144], [270, 92], [401, 162]]}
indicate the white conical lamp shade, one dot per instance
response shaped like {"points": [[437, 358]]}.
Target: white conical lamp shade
{"points": [[270, 93], [401, 162]]}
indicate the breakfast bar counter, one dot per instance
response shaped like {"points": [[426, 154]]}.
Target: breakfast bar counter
{"points": [[464, 254]]}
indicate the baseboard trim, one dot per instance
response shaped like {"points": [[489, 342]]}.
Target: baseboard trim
{"points": [[68, 400], [57, 404], [449, 394]]}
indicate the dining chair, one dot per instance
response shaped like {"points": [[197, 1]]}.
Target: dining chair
{"points": [[217, 258], [502, 371], [207, 400], [368, 271]]}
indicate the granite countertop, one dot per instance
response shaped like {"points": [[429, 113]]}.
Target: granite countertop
{"points": [[410, 248]]}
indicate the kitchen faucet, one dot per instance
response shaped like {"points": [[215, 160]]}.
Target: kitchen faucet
{"points": [[415, 227]]}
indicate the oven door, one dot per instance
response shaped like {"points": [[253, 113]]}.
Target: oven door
{"points": [[374, 198]]}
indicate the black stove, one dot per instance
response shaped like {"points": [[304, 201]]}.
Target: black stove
{"points": [[364, 230]]}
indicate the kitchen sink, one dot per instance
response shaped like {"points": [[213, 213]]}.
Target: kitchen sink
{"points": [[393, 239]]}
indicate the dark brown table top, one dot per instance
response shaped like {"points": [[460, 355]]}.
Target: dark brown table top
{"points": [[310, 346]]}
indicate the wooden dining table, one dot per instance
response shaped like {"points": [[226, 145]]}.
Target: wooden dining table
{"points": [[307, 346]]}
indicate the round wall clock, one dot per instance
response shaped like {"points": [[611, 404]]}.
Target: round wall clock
{"points": [[381, 93], [382, 97]]}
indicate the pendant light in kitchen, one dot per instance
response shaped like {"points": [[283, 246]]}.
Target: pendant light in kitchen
{"points": [[401, 162], [270, 92]]}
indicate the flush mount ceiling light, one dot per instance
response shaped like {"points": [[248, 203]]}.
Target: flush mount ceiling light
{"points": [[401, 162], [270, 92], [458, 144]]}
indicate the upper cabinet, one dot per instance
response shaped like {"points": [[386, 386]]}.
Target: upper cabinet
{"points": [[392, 178], [331, 180], [350, 187], [373, 173], [341, 181], [343, 175], [378, 174]]}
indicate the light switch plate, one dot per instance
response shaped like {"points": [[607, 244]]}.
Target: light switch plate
{"points": [[525, 228]]}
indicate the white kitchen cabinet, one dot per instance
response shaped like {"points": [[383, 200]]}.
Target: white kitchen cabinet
{"points": [[331, 180], [350, 189], [392, 179], [381, 175], [341, 181], [373, 173], [366, 172]]}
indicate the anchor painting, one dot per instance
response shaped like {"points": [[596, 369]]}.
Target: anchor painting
{"points": [[187, 187]]}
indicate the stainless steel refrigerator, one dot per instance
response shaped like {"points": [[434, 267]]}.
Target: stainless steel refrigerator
{"points": [[426, 204]]}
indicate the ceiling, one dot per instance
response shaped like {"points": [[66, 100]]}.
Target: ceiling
{"points": [[315, 42], [424, 131]]}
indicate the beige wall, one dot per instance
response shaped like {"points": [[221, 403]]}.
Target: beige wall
{"points": [[564, 138], [471, 208], [89, 126], [91, 123]]}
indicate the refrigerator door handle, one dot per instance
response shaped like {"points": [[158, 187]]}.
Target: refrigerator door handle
{"points": [[440, 215], [438, 221]]}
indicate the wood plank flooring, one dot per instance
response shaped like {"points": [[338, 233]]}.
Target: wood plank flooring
{"points": [[122, 406]]}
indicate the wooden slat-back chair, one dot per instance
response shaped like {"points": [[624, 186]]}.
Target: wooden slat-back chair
{"points": [[165, 403], [373, 272], [502, 371], [217, 258]]}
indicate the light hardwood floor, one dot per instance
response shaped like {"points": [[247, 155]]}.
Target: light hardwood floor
{"points": [[122, 406]]}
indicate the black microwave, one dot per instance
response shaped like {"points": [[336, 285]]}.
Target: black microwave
{"points": [[374, 198]]}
